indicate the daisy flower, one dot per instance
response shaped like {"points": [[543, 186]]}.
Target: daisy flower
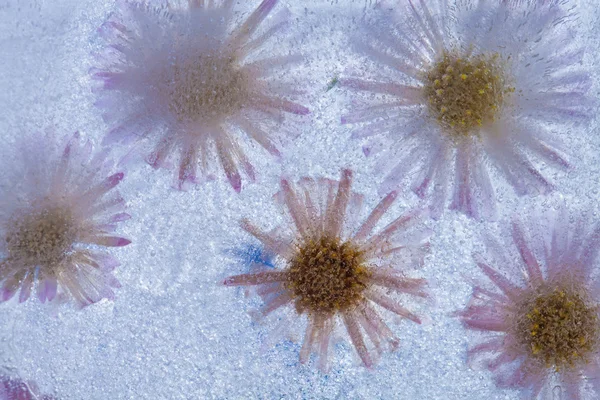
{"points": [[191, 79], [332, 270], [57, 216], [540, 320], [464, 87]]}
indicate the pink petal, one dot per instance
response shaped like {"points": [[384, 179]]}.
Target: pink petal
{"points": [[391, 305], [499, 280], [276, 245], [158, 156], [26, 287], [101, 189], [110, 241], [373, 218], [501, 359], [531, 265], [336, 214], [379, 325], [187, 167], [51, 287], [229, 166], [491, 346], [489, 323], [385, 58], [324, 339], [309, 337], [371, 331], [296, 210], [382, 278], [571, 385], [357, 339], [404, 221], [275, 303], [266, 103], [120, 217], [254, 20], [259, 135], [42, 291], [463, 190], [255, 279], [8, 290], [410, 94]]}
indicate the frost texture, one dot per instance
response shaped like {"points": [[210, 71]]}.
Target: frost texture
{"points": [[58, 219], [324, 211], [520, 81], [542, 319], [172, 331], [191, 80]]}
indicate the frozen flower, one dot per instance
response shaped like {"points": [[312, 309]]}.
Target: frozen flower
{"points": [[541, 322], [463, 87], [15, 389], [57, 215], [191, 80], [332, 270]]}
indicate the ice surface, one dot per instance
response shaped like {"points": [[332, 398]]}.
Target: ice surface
{"points": [[173, 332]]}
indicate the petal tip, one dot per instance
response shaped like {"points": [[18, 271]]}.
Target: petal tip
{"points": [[123, 242]]}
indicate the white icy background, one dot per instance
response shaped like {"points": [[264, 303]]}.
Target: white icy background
{"points": [[173, 332]]}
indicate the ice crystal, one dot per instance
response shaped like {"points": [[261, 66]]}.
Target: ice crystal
{"points": [[547, 323], [189, 79], [56, 221], [333, 270], [459, 86]]}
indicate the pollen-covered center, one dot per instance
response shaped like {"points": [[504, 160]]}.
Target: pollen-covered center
{"points": [[42, 237], [464, 93], [560, 328], [327, 275], [207, 87]]}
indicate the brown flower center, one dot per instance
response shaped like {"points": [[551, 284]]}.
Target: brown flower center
{"points": [[464, 93], [327, 275], [41, 237], [207, 87], [560, 328]]}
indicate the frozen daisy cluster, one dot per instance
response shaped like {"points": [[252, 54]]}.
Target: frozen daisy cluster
{"points": [[413, 215]]}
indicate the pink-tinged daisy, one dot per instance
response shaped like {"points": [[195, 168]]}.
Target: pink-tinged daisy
{"points": [[191, 79], [332, 270], [16, 389], [541, 321], [467, 86], [57, 216]]}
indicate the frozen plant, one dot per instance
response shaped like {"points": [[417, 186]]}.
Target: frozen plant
{"points": [[330, 269], [58, 213], [190, 79], [540, 319], [467, 86]]}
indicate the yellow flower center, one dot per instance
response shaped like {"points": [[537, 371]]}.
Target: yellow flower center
{"points": [[327, 275], [464, 93], [41, 237], [206, 88], [560, 328]]}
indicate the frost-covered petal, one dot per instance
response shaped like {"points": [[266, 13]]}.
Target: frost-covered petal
{"points": [[67, 202], [543, 318], [487, 81], [190, 78], [331, 264]]}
